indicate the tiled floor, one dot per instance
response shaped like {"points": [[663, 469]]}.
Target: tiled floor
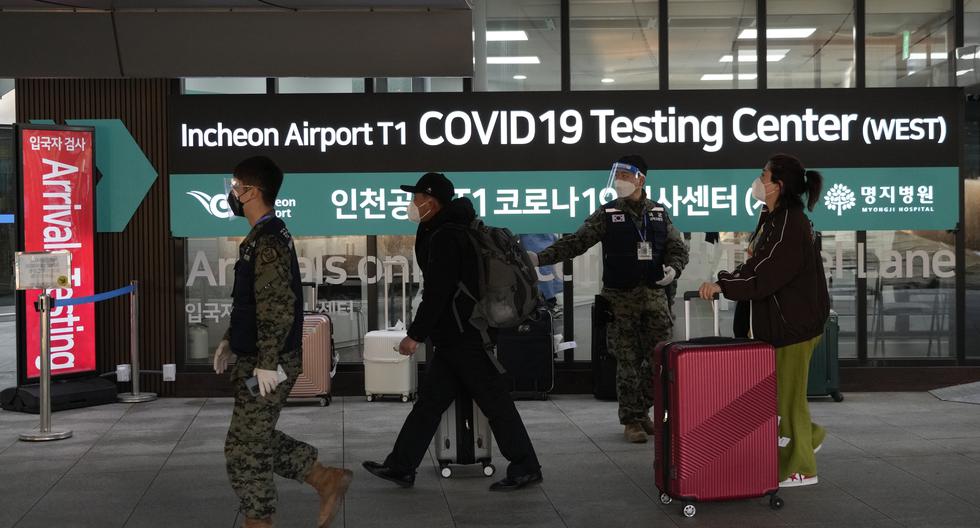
{"points": [[896, 459]]}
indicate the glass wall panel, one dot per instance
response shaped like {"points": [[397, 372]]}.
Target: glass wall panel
{"points": [[523, 45], [336, 264], [224, 85], [8, 111], [971, 23], [8, 229], [909, 42], [321, 85], [911, 286], [810, 44], [712, 44], [614, 45]]}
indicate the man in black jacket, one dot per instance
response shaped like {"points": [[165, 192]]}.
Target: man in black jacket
{"points": [[459, 362]]}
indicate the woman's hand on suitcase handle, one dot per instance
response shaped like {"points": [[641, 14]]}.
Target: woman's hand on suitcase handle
{"points": [[408, 346], [708, 290]]}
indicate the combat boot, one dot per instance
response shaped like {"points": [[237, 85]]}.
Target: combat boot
{"points": [[330, 484], [634, 433], [251, 522], [647, 426]]}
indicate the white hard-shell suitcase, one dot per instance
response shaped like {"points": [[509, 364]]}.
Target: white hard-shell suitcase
{"points": [[386, 372]]}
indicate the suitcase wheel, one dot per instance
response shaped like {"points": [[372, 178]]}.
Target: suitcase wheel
{"points": [[665, 499], [837, 396], [775, 502], [689, 510], [446, 472], [370, 397], [404, 398], [489, 470], [325, 401]]}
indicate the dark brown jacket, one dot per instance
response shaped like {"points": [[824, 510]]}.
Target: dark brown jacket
{"points": [[784, 279]]}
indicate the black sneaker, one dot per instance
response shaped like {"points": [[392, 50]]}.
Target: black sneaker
{"points": [[405, 480], [516, 483]]}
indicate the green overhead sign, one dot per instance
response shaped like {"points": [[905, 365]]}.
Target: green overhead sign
{"points": [[319, 204]]}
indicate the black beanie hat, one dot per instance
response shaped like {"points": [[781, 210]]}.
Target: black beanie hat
{"points": [[635, 160]]}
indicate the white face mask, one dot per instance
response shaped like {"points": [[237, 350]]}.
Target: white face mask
{"points": [[759, 190], [624, 188], [414, 214]]}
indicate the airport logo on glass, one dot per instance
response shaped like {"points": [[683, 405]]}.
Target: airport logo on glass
{"points": [[216, 206], [840, 198]]}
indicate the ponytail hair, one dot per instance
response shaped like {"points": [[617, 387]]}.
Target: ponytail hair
{"points": [[814, 184], [796, 181]]}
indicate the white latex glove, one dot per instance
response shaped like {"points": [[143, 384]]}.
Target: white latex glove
{"points": [[534, 258], [268, 379], [222, 355], [669, 275]]}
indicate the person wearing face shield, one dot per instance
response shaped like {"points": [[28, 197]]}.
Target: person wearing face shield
{"points": [[642, 254], [266, 333], [459, 362], [784, 284]]}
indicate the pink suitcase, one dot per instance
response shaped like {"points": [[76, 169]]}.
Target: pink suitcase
{"points": [[314, 382], [715, 419]]}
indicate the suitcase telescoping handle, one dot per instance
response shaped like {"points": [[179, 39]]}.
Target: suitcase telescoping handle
{"points": [[313, 295], [688, 295]]}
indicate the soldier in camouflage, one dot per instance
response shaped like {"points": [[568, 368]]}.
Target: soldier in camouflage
{"points": [[266, 334], [642, 253]]}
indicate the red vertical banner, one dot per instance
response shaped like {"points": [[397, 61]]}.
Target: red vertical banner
{"points": [[58, 213]]}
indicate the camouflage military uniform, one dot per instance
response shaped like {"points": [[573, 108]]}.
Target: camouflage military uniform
{"points": [[254, 449], [641, 317]]}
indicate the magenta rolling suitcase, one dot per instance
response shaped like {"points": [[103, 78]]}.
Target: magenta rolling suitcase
{"points": [[715, 420]]}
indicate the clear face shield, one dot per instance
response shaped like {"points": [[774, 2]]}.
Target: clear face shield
{"points": [[624, 179], [228, 205]]}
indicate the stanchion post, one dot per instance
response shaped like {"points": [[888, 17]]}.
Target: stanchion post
{"points": [[134, 338], [45, 434]]}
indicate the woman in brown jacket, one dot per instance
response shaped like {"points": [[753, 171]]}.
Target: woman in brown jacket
{"points": [[784, 280]]}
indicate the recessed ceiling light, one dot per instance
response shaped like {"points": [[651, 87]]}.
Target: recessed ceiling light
{"points": [[503, 36], [936, 55], [773, 55], [506, 36], [532, 59], [779, 33], [520, 77], [608, 80], [728, 77]]}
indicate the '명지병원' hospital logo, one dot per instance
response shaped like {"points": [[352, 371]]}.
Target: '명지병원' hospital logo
{"points": [[840, 198], [216, 206]]}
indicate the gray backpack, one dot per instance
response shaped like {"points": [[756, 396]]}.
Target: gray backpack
{"points": [[508, 290]]}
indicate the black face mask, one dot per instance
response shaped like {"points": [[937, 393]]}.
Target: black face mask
{"points": [[235, 205]]}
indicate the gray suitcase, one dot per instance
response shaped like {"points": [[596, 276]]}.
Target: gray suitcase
{"points": [[463, 438]]}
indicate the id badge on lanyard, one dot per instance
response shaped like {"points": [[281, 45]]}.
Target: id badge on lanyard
{"points": [[644, 249]]}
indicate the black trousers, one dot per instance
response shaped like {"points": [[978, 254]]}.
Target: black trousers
{"points": [[450, 371]]}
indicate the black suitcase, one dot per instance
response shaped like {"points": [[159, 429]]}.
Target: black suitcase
{"points": [[528, 354], [603, 362], [68, 394]]}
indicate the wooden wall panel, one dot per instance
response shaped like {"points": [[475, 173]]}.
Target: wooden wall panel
{"points": [[145, 251]]}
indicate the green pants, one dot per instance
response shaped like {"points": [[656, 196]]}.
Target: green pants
{"points": [[798, 436], [254, 449]]}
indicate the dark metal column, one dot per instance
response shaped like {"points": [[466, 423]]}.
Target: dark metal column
{"points": [[762, 45]]}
